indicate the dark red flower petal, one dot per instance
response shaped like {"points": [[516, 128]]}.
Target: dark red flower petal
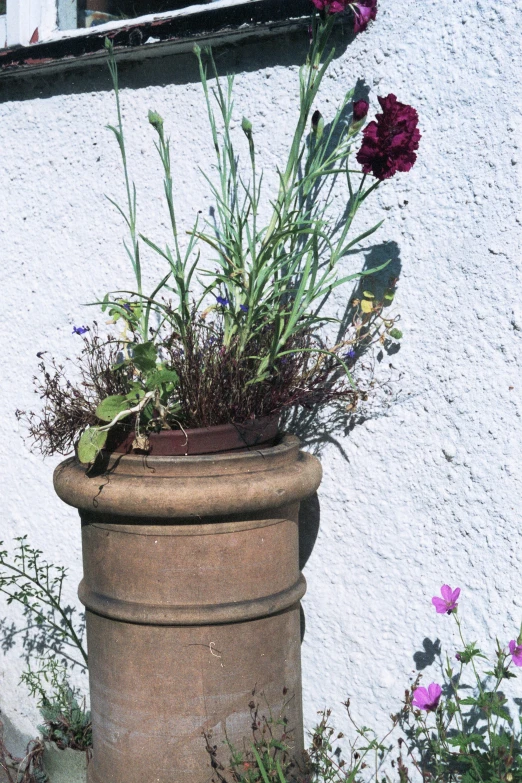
{"points": [[389, 143]]}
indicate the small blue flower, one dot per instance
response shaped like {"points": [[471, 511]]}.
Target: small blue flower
{"points": [[244, 308], [127, 307], [222, 301], [350, 355], [80, 329]]}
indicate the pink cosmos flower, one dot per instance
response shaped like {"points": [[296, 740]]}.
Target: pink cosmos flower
{"points": [[427, 698], [360, 110], [448, 603], [516, 652]]}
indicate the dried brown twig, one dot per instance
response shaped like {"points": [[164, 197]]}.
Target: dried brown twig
{"points": [[29, 769]]}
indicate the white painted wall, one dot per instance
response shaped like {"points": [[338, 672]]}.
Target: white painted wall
{"points": [[429, 492]]}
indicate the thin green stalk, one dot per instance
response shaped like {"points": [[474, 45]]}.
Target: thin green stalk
{"points": [[130, 218]]}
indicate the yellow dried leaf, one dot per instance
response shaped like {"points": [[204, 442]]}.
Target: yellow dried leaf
{"points": [[366, 306]]}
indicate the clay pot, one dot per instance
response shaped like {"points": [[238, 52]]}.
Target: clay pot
{"points": [[192, 588], [204, 440]]}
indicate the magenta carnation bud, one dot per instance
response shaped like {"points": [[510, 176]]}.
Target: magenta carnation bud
{"points": [[516, 652], [448, 603], [331, 6], [360, 110], [427, 698], [364, 11], [390, 142]]}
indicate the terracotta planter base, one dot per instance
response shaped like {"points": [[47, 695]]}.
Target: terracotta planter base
{"points": [[192, 588], [173, 684]]}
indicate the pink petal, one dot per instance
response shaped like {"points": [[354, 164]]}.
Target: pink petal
{"points": [[446, 592], [420, 697], [440, 605], [434, 691], [455, 594]]}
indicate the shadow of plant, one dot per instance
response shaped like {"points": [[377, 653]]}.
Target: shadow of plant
{"points": [[50, 626]]}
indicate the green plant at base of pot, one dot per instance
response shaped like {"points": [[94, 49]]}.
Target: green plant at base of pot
{"points": [[268, 753], [67, 722], [37, 585], [240, 335]]}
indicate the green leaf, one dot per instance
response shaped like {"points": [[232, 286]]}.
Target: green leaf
{"points": [[463, 740], [368, 295], [144, 356], [136, 393], [90, 444], [159, 377], [260, 765], [396, 334], [280, 772], [111, 406]]}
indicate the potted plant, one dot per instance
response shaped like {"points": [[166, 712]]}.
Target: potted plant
{"points": [[66, 728], [54, 635], [187, 491]]}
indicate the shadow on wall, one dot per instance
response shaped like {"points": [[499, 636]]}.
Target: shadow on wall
{"points": [[426, 657], [316, 427], [14, 740], [309, 521], [281, 50]]}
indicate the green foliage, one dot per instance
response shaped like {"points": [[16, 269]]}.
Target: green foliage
{"points": [[112, 406], [395, 333], [145, 357], [471, 737], [261, 292], [67, 722], [91, 443], [26, 578], [268, 283]]}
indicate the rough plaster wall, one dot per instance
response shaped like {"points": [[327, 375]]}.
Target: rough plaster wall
{"points": [[425, 494]]}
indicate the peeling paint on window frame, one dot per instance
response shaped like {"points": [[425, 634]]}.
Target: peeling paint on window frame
{"points": [[157, 34]]}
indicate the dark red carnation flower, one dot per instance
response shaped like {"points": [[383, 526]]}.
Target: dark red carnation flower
{"points": [[388, 144], [364, 11]]}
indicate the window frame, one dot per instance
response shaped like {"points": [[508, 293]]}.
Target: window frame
{"points": [[35, 43]]}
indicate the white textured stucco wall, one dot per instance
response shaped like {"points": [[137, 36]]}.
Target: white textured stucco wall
{"points": [[429, 492]]}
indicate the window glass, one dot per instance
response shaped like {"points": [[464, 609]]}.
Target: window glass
{"points": [[90, 13]]}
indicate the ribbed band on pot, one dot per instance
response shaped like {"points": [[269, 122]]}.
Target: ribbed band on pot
{"points": [[238, 611]]}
